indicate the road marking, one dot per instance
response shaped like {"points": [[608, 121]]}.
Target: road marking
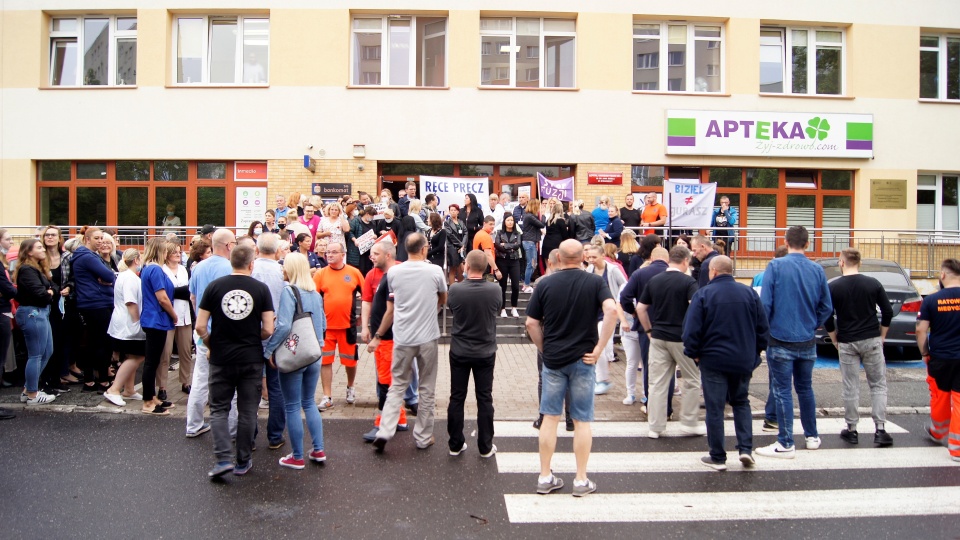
{"points": [[825, 426], [665, 462], [731, 506]]}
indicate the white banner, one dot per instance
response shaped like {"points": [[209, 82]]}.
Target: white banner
{"points": [[453, 190], [366, 241], [251, 204], [689, 206]]}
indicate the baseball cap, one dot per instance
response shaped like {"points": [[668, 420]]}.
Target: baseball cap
{"points": [[207, 229]]}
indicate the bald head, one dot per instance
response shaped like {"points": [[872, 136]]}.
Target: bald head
{"points": [[721, 265], [223, 242], [571, 253], [660, 254]]}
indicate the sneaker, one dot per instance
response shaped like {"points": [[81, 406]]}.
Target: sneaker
{"points": [[351, 394], [813, 443], [514, 314], [220, 469], [276, 445], [553, 484], [601, 388], [570, 425], [850, 435], [538, 422], [777, 450], [240, 470], [318, 456], [379, 444], [369, 436], [41, 399], [429, 443], [882, 439], [585, 489], [955, 458], [928, 430], [653, 434], [699, 429], [264, 404], [291, 462], [770, 427], [493, 450], [116, 399], [203, 429], [460, 451], [629, 400], [747, 461], [503, 314], [24, 397], [402, 427], [412, 407], [136, 396], [528, 289], [325, 403], [715, 465]]}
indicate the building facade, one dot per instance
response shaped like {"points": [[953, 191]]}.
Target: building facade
{"points": [[833, 115]]}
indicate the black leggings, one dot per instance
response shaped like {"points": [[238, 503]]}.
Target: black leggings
{"points": [[156, 340], [99, 344], [510, 268]]}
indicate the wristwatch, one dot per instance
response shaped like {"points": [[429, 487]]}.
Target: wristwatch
{"points": [[377, 336]]}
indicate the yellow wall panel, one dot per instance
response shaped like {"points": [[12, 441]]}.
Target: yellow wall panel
{"points": [[604, 51], [153, 47], [22, 49], [742, 56], [463, 49], [883, 61], [309, 47], [18, 192]]}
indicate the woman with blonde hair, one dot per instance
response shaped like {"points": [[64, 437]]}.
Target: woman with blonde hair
{"points": [[333, 224], [415, 206], [108, 252], [629, 249], [293, 206], [129, 341], [532, 230], [182, 334], [300, 386], [157, 318], [35, 293]]}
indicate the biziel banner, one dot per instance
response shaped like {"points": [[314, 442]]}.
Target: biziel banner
{"points": [[769, 134], [689, 206]]}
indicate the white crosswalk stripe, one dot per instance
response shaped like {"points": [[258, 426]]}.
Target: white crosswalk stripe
{"points": [[826, 426]]}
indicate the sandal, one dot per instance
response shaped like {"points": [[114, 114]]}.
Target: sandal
{"points": [[76, 374], [156, 411], [70, 379]]}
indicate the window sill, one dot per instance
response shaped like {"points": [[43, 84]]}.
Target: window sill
{"points": [[698, 94], [525, 89], [941, 101], [91, 87], [217, 86], [807, 96], [393, 87]]}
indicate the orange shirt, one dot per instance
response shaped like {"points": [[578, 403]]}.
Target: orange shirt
{"points": [[656, 212], [483, 241], [339, 288]]}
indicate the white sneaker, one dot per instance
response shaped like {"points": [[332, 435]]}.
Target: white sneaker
{"points": [[503, 314], [493, 450], [116, 399], [699, 429], [325, 403], [813, 443], [777, 450], [351, 394], [629, 400], [41, 399], [264, 404], [514, 314], [528, 289], [653, 434]]}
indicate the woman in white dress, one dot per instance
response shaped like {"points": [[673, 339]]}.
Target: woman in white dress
{"points": [[333, 224]]}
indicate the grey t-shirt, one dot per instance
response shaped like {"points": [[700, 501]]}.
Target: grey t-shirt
{"points": [[414, 286]]}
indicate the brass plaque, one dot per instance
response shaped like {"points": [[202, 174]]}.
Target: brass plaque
{"points": [[888, 194]]}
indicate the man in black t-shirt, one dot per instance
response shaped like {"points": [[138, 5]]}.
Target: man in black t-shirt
{"points": [[663, 305], [630, 215], [856, 299], [570, 345], [242, 314]]}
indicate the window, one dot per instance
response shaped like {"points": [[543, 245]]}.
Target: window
{"points": [[694, 55], [221, 50], [518, 43], [802, 61], [109, 51], [399, 51], [937, 201], [940, 66]]}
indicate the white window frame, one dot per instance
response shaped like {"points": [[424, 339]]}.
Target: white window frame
{"points": [[78, 37], [544, 34], [414, 48], [786, 33], [941, 50], [688, 53], [205, 58], [938, 200], [648, 60]]}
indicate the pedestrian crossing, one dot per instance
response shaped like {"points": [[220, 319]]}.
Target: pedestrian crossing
{"points": [[802, 488]]}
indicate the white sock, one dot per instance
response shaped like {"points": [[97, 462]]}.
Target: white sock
{"points": [[581, 484], [545, 479]]}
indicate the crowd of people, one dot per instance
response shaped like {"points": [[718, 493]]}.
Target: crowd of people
{"points": [[92, 316]]}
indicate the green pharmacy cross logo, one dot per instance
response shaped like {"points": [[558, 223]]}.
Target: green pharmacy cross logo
{"points": [[818, 128]]}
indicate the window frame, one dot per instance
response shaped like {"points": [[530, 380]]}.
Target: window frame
{"points": [[416, 51], [541, 47], [938, 198], [208, 20], [77, 37], [786, 60], [942, 64], [690, 67]]}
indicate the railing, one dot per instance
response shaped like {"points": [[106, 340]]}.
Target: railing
{"points": [[918, 251]]}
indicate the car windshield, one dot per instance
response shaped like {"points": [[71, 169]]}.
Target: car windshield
{"points": [[888, 276]]}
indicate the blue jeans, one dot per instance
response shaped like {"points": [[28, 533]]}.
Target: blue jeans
{"points": [[577, 378], [717, 386], [412, 396], [793, 366], [530, 250], [35, 324], [276, 417], [299, 389], [770, 409]]}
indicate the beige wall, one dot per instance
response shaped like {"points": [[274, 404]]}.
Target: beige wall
{"points": [[867, 218], [18, 192], [589, 193], [309, 47], [22, 60], [883, 61], [604, 57]]}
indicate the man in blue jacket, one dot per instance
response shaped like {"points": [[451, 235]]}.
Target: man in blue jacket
{"points": [[797, 301], [724, 331]]}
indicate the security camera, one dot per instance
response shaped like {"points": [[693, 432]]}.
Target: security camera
{"points": [[310, 147], [359, 167]]}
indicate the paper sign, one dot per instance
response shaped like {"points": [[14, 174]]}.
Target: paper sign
{"points": [[366, 241]]}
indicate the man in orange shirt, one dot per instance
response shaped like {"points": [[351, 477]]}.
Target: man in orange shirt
{"points": [[339, 284], [484, 242], [654, 214]]}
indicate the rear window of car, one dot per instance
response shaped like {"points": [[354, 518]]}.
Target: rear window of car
{"points": [[888, 276]]}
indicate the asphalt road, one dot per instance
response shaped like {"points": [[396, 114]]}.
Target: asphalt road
{"points": [[106, 476]]}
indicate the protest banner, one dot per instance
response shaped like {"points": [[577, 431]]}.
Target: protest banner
{"points": [[366, 241], [560, 189], [689, 206], [453, 190]]}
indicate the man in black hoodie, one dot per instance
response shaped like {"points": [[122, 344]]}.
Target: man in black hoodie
{"points": [[702, 249]]}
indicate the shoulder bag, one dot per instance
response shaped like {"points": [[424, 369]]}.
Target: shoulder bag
{"points": [[301, 347]]}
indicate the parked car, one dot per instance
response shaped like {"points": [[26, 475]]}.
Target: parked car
{"points": [[904, 299]]}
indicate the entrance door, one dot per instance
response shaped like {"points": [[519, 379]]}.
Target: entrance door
{"points": [[514, 185]]}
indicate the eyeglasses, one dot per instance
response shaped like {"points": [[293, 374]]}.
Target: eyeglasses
{"points": [[50, 235]]}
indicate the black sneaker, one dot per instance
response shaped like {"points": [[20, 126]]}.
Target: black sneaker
{"points": [[569, 424], [412, 408], [538, 422], [851, 436], [882, 439], [162, 395], [769, 426], [379, 444]]}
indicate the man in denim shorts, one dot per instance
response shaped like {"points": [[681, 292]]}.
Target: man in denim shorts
{"points": [[570, 344]]}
